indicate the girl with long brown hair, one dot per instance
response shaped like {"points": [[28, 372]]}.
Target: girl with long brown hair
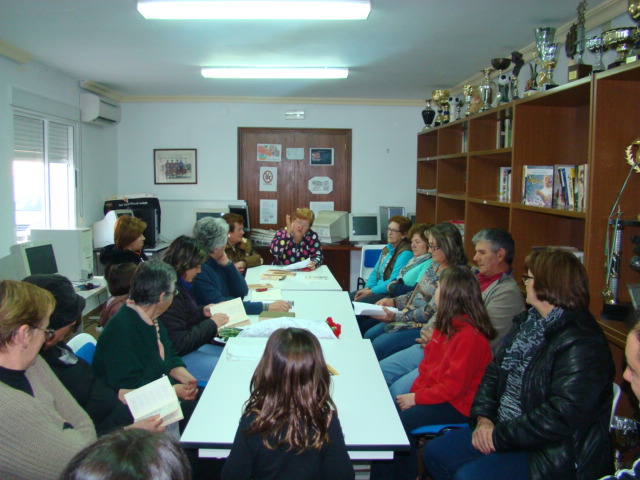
{"points": [[290, 427], [452, 368]]}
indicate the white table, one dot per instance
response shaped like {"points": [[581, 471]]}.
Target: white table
{"points": [[96, 296], [366, 410], [320, 279], [320, 305]]}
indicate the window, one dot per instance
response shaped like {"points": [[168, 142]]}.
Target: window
{"points": [[43, 173]]}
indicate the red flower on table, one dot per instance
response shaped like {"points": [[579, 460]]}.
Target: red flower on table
{"points": [[336, 328]]}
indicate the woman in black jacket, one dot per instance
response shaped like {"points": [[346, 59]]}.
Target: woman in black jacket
{"points": [[542, 409]]}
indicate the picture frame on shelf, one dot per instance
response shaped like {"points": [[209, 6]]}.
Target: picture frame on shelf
{"points": [[173, 166]]}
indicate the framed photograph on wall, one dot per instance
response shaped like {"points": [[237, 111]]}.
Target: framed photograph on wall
{"points": [[175, 166], [321, 156]]}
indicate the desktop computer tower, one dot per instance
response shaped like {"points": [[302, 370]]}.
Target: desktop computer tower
{"points": [[73, 250]]}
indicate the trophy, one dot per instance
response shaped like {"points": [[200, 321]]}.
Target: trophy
{"points": [[596, 46], [621, 39], [518, 62], [575, 45], [634, 13], [428, 115], [547, 56], [468, 97], [440, 97], [486, 90], [501, 64]]}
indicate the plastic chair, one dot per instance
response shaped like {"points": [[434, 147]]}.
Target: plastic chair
{"points": [[84, 346], [370, 255]]}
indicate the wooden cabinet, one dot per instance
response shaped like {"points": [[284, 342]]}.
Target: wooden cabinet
{"points": [[589, 121]]}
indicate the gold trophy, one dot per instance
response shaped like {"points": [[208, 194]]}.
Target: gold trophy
{"points": [[621, 39], [440, 97], [634, 12]]}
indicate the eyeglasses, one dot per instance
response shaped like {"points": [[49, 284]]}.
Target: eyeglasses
{"points": [[433, 247], [49, 333], [301, 223], [393, 230], [526, 278]]}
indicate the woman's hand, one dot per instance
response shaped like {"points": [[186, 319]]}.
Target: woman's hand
{"points": [[312, 265], [151, 424], [482, 437], [182, 375], [386, 302], [425, 336], [220, 319], [389, 316], [362, 293], [289, 225], [186, 391], [279, 306], [406, 401], [241, 266], [220, 256], [121, 393]]}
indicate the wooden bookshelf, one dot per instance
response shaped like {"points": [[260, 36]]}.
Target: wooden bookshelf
{"points": [[589, 121]]}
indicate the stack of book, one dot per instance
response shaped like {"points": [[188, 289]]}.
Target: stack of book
{"points": [[557, 186]]}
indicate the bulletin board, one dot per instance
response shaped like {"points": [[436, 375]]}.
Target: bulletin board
{"points": [[294, 167]]}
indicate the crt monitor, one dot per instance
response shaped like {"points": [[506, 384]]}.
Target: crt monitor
{"points": [[209, 212], [364, 227], [243, 211], [32, 258], [331, 226]]}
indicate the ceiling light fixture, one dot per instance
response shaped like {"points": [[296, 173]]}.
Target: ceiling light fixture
{"points": [[255, 9], [267, 72]]}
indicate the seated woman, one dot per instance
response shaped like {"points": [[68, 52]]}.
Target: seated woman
{"points": [[219, 279], [396, 331], [119, 282], [190, 326], [134, 348], [452, 367], [289, 428], [544, 404], [239, 249], [129, 241], [392, 258], [297, 242], [42, 425], [415, 268]]}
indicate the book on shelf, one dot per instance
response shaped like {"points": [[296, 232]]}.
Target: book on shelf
{"points": [[563, 186], [580, 188], [503, 133], [504, 184], [537, 185]]}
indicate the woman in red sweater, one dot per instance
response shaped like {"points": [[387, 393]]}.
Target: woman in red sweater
{"points": [[453, 365]]}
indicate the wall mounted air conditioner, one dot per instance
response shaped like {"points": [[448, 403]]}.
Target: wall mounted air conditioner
{"points": [[99, 110]]}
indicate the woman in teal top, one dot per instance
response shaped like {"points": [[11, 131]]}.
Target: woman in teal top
{"points": [[415, 268], [393, 257]]}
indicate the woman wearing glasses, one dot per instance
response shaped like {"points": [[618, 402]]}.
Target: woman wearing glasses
{"points": [[297, 242], [396, 331], [42, 425], [392, 259], [543, 407]]}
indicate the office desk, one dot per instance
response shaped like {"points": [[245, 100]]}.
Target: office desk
{"points": [[96, 296], [367, 413], [320, 279]]}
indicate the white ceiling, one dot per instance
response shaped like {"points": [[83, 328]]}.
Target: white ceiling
{"points": [[403, 51]]}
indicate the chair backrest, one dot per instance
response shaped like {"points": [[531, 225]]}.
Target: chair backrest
{"points": [[370, 255], [84, 346], [616, 397]]}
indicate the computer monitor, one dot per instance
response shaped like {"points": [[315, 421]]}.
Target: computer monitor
{"points": [[385, 214], [210, 212], [103, 229], [32, 258], [243, 211], [331, 226], [364, 227], [73, 249]]}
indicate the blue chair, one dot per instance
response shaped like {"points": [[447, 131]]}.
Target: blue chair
{"points": [[370, 255], [84, 346]]}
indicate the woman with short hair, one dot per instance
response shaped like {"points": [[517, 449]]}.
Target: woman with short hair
{"points": [[543, 407], [239, 249], [128, 243], [42, 425], [297, 242]]}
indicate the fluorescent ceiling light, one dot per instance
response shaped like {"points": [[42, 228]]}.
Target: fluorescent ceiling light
{"points": [[257, 72], [255, 9]]}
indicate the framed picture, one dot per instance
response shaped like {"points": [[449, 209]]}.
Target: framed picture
{"points": [[175, 166], [321, 156]]}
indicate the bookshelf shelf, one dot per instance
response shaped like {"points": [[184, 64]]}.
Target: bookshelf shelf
{"points": [[589, 121]]}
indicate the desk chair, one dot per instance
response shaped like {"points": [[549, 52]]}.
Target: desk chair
{"points": [[370, 255], [84, 346]]}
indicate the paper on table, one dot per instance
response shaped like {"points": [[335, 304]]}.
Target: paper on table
{"points": [[235, 311], [271, 294], [361, 308], [296, 266], [155, 398]]}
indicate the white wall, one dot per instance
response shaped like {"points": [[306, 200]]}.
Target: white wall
{"points": [[383, 149]]}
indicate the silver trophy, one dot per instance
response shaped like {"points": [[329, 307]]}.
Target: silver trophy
{"points": [[596, 46], [547, 54], [486, 89]]}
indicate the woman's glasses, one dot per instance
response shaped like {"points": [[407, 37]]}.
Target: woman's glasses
{"points": [[433, 247], [526, 278], [393, 230], [48, 332]]}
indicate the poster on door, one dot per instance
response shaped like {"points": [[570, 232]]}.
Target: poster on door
{"points": [[269, 152], [268, 179]]}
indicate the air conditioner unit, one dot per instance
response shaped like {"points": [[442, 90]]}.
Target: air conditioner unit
{"points": [[99, 110]]}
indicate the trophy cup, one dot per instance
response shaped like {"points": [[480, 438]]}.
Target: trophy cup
{"points": [[468, 97], [575, 45], [428, 115], [486, 90], [621, 39], [634, 13], [501, 64], [518, 62], [547, 56], [596, 46], [440, 97]]}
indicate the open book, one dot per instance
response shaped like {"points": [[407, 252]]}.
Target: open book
{"points": [[155, 398], [361, 308], [234, 309]]}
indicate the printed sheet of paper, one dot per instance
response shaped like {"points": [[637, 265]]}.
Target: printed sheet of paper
{"points": [[234, 309], [361, 308], [155, 398], [296, 266], [270, 295], [268, 152], [268, 211]]}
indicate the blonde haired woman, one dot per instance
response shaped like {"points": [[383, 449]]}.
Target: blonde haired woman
{"points": [[297, 242]]}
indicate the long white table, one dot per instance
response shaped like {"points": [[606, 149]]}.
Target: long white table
{"points": [[320, 279], [366, 410]]}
